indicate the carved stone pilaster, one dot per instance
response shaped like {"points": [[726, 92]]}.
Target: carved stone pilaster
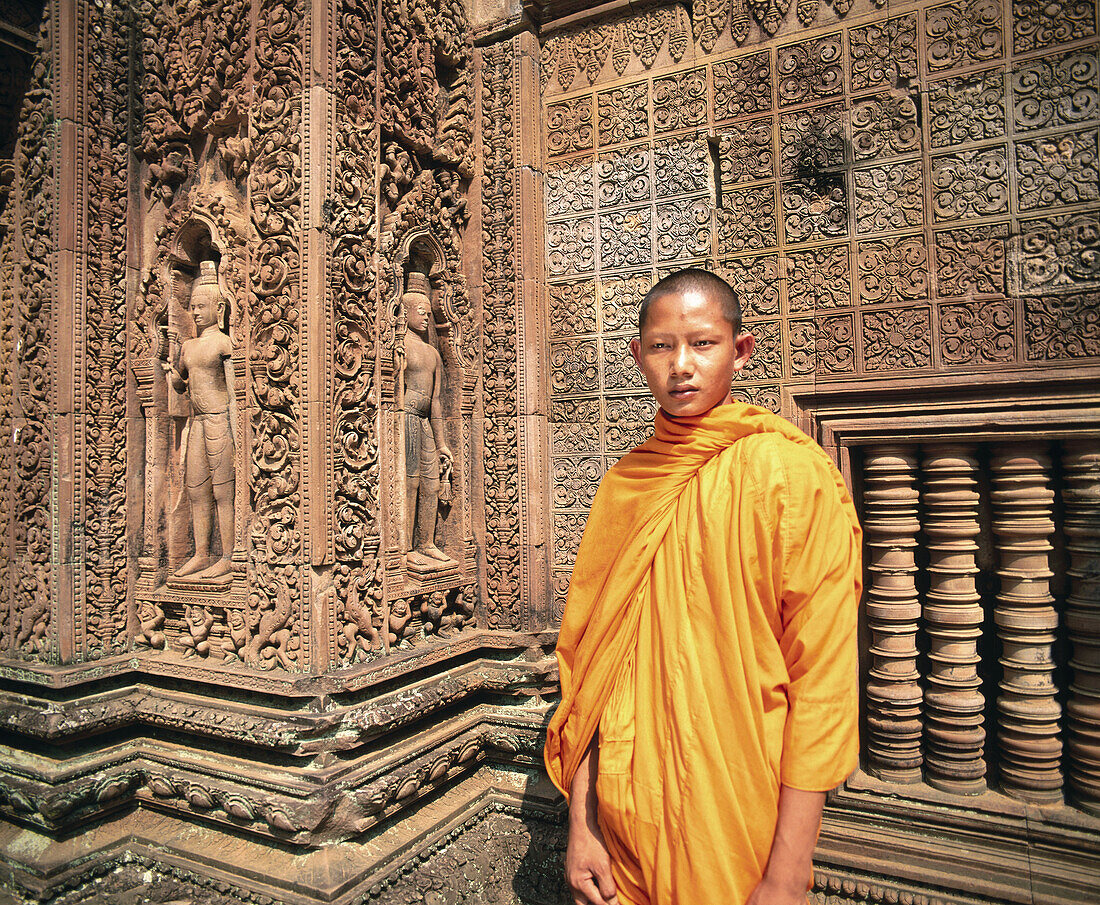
{"points": [[893, 695], [1028, 714], [1081, 465], [954, 731]]}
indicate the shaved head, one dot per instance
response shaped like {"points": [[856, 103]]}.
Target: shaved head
{"points": [[695, 280]]}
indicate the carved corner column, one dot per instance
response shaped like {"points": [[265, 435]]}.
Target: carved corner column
{"points": [[1081, 466], [275, 538], [893, 610], [531, 324], [954, 731], [1023, 524], [499, 219], [319, 125]]}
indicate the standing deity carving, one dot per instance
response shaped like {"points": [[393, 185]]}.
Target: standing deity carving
{"points": [[428, 459], [203, 368]]}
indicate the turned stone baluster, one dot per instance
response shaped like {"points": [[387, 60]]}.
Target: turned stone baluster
{"points": [[1028, 714], [1081, 465], [893, 610], [954, 734]]}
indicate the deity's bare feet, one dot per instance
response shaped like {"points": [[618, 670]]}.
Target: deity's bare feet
{"points": [[219, 569], [419, 560], [193, 565], [433, 552]]}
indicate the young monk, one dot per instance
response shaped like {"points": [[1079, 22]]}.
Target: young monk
{"points": [[707, 652]]}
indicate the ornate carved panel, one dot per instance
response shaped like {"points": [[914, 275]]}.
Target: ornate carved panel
{"points": [[872, 180], [1058, 170], [1058, 253], [1056, 90], [30, 591], [969, 108], [102, 630], [499, 369], [963, 33], [1037, 25], [881, 52]]}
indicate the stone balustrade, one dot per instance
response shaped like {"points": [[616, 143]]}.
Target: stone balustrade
{"points": [[982, 611]]}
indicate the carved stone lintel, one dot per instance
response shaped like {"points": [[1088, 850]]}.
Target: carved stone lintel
{"points": [[1081, 464], [1028, 714], [954, 731]]}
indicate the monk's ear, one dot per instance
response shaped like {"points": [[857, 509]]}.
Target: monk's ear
{"points": [[636, 351], [744, 343]]}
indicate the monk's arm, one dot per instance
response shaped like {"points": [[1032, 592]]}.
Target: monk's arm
{"points": [[790, 862], [587, 864]]}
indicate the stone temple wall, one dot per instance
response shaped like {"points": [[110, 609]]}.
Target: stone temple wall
{"points": [[906, 197], [314, 664]]}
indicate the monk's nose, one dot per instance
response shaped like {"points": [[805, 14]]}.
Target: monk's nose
{"points": [[681, 361]]}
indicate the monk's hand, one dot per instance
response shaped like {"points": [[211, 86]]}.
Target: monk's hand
{"points": [[770, 891], [588, 866]]}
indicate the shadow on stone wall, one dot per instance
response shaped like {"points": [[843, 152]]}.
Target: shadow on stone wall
{"points": [[540, 877]]}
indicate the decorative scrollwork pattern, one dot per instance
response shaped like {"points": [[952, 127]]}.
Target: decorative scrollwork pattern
{"points": [[971, 261], [1057, 170], [970, 184], [32, 625], [882, 51], [1038, 24], [1062, 327], [811, 69], [896, 339], [501, 437], [977, 332], [275, 181], [742, 86], [1058, 252], [893, 271], [819, 278], [889, 197], [963, 33], [105, 465], [971, 108], [1056, 90]]}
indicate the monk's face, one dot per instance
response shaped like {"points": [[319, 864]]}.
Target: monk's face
{"points": [[689, 353]]}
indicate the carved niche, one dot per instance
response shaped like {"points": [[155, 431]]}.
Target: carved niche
{"points": [[427, 404], [181, 609]]}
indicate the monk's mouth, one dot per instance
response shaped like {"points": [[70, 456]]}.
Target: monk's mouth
{"points": [[683, 391]]}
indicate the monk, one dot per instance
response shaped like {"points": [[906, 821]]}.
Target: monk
{"points": [[707, 652]]}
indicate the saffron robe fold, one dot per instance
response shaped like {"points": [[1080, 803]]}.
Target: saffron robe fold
{"points": [[709, 636]]}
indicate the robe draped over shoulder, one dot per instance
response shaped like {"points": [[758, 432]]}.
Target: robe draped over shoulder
{"points": [[709, 636]]}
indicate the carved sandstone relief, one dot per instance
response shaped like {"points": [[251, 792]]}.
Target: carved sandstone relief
{"points": [[218, 573], [188, 363], [29, 592]]}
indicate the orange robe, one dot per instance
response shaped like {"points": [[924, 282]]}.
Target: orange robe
{"points": [[709, 634]]}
